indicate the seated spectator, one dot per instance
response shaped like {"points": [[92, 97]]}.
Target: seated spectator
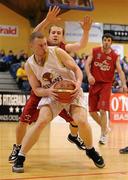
{"points": [[22, 79], [117, 87], [3, 65], [85, 84], [2, 53], [124, 64], [13, 69], [76, 58], [10, 58], [21, 56]]}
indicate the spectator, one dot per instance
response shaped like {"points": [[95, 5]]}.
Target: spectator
{"points": [[2, 53], [22, 79], [21, 56], [9, 59], [125, 65]]}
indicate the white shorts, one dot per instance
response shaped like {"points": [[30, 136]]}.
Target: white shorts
{"points": [[57, 107]]}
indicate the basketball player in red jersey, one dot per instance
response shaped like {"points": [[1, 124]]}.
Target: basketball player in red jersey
{"points": [[30, 112], [100, 68]]}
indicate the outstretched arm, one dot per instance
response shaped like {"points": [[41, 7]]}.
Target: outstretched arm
{"points": [[51, 17], [86, 25]]}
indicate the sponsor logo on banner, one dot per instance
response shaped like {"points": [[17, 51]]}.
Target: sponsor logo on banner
{"points": [[73, 32], [11, 105], [119, 107], [8, 30]]}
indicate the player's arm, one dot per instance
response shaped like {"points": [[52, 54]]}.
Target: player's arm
{"points": [[88, 63], [69, 62], [51, 17], [35, 83], [86, 25], [121, 75]]}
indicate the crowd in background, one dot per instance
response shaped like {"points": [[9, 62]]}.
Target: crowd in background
{"points": [[14, 63]]}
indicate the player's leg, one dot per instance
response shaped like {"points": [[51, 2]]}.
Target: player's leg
{"points": [[103, 106], [86, 134], [32, 136], [73, 135], [20, 132], [29, 115]]}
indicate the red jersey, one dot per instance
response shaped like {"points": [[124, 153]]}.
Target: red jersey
{"points": [[61, 45], [103, 65]]}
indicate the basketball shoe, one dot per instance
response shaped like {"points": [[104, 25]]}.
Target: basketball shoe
{"points": [[97, 159], [77, 141], [14, 153], [124, 150], [18, 166]]}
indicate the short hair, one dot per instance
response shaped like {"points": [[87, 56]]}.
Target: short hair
{"points": [[107, 35], [34, 35], [56, 26]]}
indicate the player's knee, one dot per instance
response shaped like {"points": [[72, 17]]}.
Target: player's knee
{"points": [[42, 123], [82, 122]]}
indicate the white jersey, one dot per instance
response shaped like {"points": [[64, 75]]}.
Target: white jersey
{"points": [[48, 74], [52, 70]]}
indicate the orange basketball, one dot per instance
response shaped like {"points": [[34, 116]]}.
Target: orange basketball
{"points": [[64, 89]]}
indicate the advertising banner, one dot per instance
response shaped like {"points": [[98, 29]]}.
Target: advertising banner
{"points": [[8, 30], [73, 32], [11, 105], [119, 107]]}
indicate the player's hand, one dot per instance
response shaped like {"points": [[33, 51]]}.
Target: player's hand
{"points": [[52, 94], [52, 16], [91, 80], [87, 23], [76, 91], [125, 88]]}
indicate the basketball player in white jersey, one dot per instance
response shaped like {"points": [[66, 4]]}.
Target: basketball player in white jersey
{"points": [[52, 59], [30, 112]]}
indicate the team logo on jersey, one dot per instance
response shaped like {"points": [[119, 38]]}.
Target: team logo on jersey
{"points": [[50, 78], [47, 76], [104, 66]]}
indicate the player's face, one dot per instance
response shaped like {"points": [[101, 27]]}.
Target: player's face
{"points": [[55, 36], [39, 46], [107, 43]]}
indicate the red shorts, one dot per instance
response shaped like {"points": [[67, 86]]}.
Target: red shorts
{"points": [[30, 112], [99, 96]]}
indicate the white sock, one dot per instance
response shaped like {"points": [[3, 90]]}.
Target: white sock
{"points": [[21, 154], [73, 135]]}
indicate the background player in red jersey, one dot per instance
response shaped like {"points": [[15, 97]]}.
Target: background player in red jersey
{"points": [[100, 67], [30, 112]]}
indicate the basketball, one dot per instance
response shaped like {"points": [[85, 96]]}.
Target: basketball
{"points": [[64, 89]]}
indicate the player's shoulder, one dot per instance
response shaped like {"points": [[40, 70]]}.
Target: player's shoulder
{"points": [[97, 48]]}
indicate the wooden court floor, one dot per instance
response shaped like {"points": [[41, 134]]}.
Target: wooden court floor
{"points": [[54, 158]]}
